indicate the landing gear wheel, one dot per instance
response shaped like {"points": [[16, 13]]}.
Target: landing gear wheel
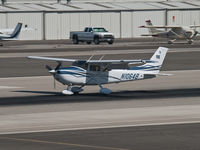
{"points": [[75, 40], [68, 91], [190, 42], [88, 42], [170, 42], [110, 42], [105, 91], [76, 90], [96, 40]]}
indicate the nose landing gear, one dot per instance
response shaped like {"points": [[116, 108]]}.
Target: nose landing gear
{"points": [[72, 90]]}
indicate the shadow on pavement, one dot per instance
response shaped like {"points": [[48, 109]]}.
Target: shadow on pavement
{"points": [[57, 97]]}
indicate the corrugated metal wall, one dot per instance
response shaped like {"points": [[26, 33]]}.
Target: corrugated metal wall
{"points": [[126, 24], [130, 22], [32, 20], [3, 21], [139, 18], [185, 18], [122, 23], [58, 25]]}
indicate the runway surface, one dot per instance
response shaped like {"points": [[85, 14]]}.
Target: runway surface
{"points": [[17, 64], [165, 137], [161, 113]]}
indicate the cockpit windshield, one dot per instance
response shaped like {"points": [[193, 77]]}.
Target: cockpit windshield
{"points": [[99, 30]]}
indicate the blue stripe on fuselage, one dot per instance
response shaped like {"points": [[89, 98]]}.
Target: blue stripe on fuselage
{"points": [[71, 73], [145, 68], [72, 68]]}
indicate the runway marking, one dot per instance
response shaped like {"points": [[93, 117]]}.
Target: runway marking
{"points": [[103, 127], [9, 87], [61, 143]]}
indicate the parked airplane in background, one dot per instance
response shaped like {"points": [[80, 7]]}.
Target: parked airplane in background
{"points": [[173, 33], [13, 36], [99, 72]]}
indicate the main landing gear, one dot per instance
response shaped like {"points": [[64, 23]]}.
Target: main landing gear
{"points": [[105, 91], [190, 41], [76, 90]]}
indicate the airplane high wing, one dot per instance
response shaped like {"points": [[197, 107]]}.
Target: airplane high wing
{"points": [[93, 61], [53, 59], [161, 27]]}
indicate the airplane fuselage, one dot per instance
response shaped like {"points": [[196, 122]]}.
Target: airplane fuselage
{"points": [[78, 76], [181, 34]]}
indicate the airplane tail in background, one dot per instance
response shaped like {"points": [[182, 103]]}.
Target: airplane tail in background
{"points": [[16, 31], [151, 30], [157, 58]]}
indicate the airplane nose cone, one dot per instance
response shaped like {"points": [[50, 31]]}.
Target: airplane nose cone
{"points": [[52, 71]]}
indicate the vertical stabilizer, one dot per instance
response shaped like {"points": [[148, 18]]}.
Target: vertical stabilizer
{"points": [[157, 58], [16, 31], [159, 55], [151, 30]]}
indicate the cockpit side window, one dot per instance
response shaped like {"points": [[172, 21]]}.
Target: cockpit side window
{"points": [[95, 68]]}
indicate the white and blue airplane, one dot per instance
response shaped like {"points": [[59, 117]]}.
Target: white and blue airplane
{"points": [[100, 72], [12, 36]]}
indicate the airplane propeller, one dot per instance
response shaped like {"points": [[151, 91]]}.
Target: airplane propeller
{"points": [[48, 67], [53, 72]]}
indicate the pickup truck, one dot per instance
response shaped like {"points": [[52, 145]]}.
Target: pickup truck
{"points": [[92, 34]]}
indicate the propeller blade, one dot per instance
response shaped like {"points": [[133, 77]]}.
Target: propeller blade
{"points": [[48, 67], [58, 66]]}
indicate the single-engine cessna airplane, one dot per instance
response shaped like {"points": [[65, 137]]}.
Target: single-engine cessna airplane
{"points": [[13, 35], [173, 33], [99, 72]]}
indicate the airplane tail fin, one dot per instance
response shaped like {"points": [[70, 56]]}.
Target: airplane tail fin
{"points": [[157, 61], [158, 57], [16, 31], [151, 30]]}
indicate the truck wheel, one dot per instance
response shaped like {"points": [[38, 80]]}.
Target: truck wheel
{"points": [[88, 42], [75, 40], [110, 42], [96, 40]]}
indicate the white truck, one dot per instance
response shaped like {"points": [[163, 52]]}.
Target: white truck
{"points": [[92, 34]]}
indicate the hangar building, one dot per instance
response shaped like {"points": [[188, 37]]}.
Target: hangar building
{"points": [[52, 20]]}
